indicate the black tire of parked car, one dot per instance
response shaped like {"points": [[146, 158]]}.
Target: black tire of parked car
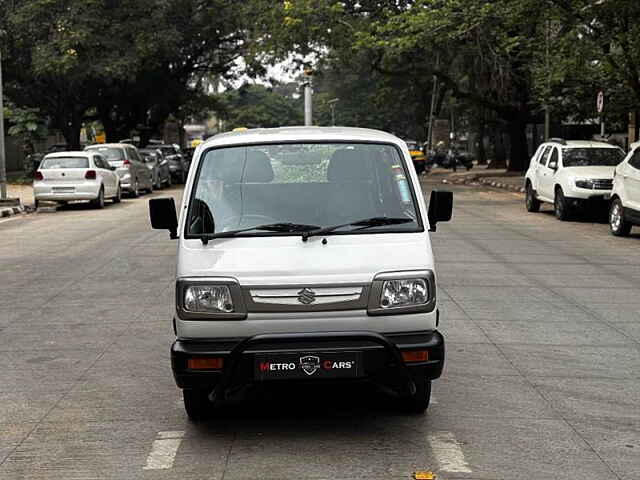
{"points": [[99, 202], [617, 224], [560, 206], [419, 402], [531, 202], [197, 404]]}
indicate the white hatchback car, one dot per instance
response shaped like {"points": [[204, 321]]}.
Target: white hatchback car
{"points": [[70, 176], [625, 196], [570, 174]]}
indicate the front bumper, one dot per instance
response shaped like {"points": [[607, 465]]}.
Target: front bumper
{"points": [[381, 357]]}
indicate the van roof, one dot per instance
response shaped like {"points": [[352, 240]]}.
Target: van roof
{"points": [[288, 134], [584, 144], [120, 145]]}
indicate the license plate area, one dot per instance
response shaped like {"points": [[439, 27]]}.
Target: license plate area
{"points": [[307, 365], [63, 189]]}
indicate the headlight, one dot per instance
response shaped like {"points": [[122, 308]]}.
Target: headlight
{"points": [[208, 299], [213, 298], [404, 293], [586, 183]]}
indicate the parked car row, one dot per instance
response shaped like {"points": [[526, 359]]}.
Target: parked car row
{"points": [[574, 175], [104, 171]]}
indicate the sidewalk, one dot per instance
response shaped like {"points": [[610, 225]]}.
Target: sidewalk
{"points": [[19, 199], [480, 175]]}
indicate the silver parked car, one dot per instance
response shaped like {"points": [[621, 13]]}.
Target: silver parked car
{"points": [[159, 166], [130, 167]]}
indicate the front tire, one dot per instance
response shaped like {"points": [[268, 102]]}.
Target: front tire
{"points": [[197, 404], [561, 206], [531, 202], [419, 402], [617, 224]]}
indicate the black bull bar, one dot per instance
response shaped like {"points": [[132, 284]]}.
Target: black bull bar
{"points": [[405, 385]]}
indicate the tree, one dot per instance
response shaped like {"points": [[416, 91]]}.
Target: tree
{"points": [[258, 106]]}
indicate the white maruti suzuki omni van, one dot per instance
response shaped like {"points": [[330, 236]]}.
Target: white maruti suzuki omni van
{"points": [[304, 255]]}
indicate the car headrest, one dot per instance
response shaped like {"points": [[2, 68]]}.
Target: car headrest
{"points": [[348, 165], [258, 168]]}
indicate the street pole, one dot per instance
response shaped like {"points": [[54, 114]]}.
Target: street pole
{"points": [[308, 107], [332, 106], [547, 116], [434, 92], [308, 97], [3, 165]]}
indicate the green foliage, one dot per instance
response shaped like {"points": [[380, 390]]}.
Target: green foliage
{"points": [[257, 106]]}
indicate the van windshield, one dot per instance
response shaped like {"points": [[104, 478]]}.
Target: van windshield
{"points": [[305, 184]]}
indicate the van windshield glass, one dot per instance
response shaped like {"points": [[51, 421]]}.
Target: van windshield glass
{"points": [[592, 157], [64, 162], [301, 184]]}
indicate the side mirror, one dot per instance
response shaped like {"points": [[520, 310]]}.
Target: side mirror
{"points": [[440, 208], [553, 165], [162, 212]]}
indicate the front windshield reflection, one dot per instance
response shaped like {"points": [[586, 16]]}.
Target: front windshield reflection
{"points": [[308, 184]]}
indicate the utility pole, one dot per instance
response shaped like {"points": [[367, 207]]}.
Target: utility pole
{"points": [[3, 165], [308, 97], [547, 117], [434, 93], [332, 106]]}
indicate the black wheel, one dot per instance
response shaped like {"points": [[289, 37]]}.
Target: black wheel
{"points": [[169, 183], [561, 206], [197, 404], [118, 196], [135, 192], [617, 224], [99, 202], [531, 202], [37, 204], [183, 177], [419, 402]]}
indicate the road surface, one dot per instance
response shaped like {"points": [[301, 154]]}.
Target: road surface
{"points": [[542, 381]]}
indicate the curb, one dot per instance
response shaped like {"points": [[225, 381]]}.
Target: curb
{"points": [[10, 211], [473, 180]]}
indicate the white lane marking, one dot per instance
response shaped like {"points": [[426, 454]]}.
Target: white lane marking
{"points": [[448, 453], [9, 219], [163, 451]]}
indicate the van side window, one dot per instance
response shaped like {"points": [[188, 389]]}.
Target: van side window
{"points": [[554, 156], [635, 160]]}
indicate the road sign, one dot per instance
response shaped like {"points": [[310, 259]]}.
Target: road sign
{"points": [[600, 101]]}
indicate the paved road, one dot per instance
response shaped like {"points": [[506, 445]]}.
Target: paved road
{"points": [[542, 380]]}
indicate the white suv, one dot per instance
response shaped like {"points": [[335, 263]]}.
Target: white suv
{"points": [[625, 196], [570, 174]]}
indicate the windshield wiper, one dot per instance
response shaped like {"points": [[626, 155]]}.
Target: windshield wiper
{"points": [[270, 227], [363, 224]]}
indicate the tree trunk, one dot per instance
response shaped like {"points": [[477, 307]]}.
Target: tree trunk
{"points": [[71, 131], [499, 159], [482, 152], [519, 150]]}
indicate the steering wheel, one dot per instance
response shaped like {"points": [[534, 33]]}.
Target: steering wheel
{"points": [[243, 223]]}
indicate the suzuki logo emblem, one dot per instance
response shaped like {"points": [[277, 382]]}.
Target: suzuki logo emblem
{"points": [[306, 296]]}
